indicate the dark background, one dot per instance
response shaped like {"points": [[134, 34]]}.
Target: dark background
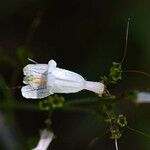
{"points": [[84, 36]]}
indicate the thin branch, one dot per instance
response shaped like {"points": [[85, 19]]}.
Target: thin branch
{"points": [[78, 109], [35, 24], [137, 71], [96, 139], [81, 101], [126, 41], [139, 132], [19, 106], [14, 87]]}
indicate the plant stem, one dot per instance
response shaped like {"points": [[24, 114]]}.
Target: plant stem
{"points": [[126, 42], [137, 131], [137, 71]]}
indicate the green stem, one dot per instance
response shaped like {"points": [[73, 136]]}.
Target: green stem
{"points": [[81, 101], [19, 106], [79, 109], [137, 71]]}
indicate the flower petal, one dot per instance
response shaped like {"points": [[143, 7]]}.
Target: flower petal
{"points": [[65, 81], [28, 92], [67, 75], [35, 69], [51, 65], [45, 140], [96, 87], [64, 86], [143, 97]]}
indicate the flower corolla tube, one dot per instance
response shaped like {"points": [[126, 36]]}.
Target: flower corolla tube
{"points": [[46, 79], [45, 140]]}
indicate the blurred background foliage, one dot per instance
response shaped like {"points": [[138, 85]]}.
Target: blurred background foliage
{"points": [[84, 36]]}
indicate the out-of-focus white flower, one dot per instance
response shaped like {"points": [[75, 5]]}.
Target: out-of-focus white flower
{"points": [[45, 139], [43, 80], [143, 97]]}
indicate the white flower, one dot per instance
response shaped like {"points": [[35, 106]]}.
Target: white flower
{"points": [[43, 80], [143, 97], [45, 139]]}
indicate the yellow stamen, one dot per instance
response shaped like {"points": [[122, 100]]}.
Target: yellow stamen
{"points": [[38, 80]]}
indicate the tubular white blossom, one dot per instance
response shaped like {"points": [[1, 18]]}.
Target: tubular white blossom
{"points": [[143, 97], [45, 140], [44, 80]]}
